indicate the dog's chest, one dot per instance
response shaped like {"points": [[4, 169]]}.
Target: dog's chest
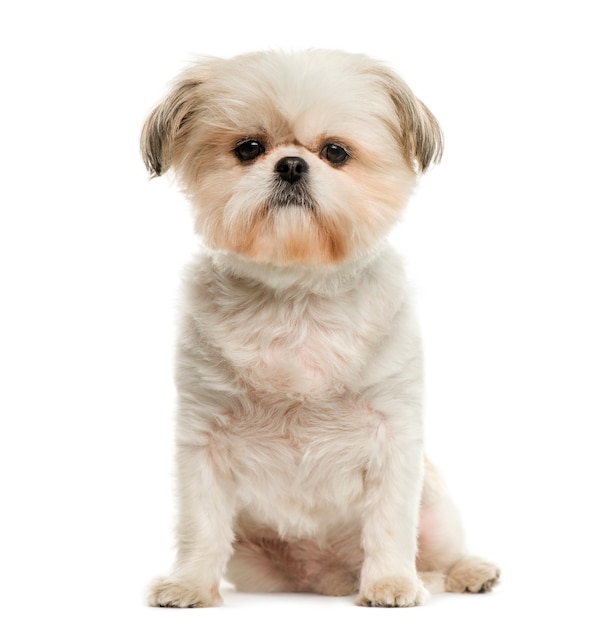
{"points": [[299, 347], [297, 430]]}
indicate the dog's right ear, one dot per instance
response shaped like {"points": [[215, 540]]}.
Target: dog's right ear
{"points": [[165, 130]]}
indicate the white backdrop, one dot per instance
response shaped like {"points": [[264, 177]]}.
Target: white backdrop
{"points": [[503, 245]]}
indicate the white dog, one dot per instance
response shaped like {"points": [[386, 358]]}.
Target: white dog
{"points": [[299, 435]]}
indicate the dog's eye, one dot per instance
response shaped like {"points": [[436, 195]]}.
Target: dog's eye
{"points": [[249, 150], [334, 154]]}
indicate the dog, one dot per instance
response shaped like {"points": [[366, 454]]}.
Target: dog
{"points": [[300, 461]]}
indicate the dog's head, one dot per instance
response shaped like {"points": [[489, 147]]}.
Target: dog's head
{"points": [[292, 158]]}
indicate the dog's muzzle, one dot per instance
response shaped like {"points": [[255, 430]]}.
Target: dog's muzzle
{"points": [[291, 186]]}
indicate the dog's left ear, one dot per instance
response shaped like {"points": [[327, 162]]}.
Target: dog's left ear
{"points": [[165, 131], [418, 131]]}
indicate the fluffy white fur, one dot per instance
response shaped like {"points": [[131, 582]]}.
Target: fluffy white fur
{"points": [[299, 433]]}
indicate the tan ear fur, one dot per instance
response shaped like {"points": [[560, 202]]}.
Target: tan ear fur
{"points": [[165, 128], [419, 133]]}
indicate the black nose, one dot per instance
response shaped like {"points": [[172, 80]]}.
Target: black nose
{"points": [[291, 169]]}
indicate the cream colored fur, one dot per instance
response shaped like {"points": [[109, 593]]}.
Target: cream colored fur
{"points": [[300, 457]]}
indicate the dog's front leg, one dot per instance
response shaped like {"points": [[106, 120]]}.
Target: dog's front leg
{"points": [[204, 533], [390, 519]]}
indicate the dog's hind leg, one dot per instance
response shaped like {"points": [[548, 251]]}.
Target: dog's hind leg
{"points": [[443, 562]]}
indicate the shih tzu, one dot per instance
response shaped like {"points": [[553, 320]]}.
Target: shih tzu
{"points": [[300, 460]]}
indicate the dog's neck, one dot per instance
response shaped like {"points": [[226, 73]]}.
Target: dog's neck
{"points": [[319, 279]]}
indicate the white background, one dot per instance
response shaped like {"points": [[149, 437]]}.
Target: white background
{"points": [[503, 245]]}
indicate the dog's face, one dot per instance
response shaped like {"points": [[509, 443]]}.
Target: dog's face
{"points": [[304, 158]]}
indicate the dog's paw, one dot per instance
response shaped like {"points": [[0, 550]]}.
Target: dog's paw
{"points": [[393, 591], [182, 594], [472, 575]]}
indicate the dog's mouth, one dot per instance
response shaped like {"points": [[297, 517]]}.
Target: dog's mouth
{"points": [[287, 195]]}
